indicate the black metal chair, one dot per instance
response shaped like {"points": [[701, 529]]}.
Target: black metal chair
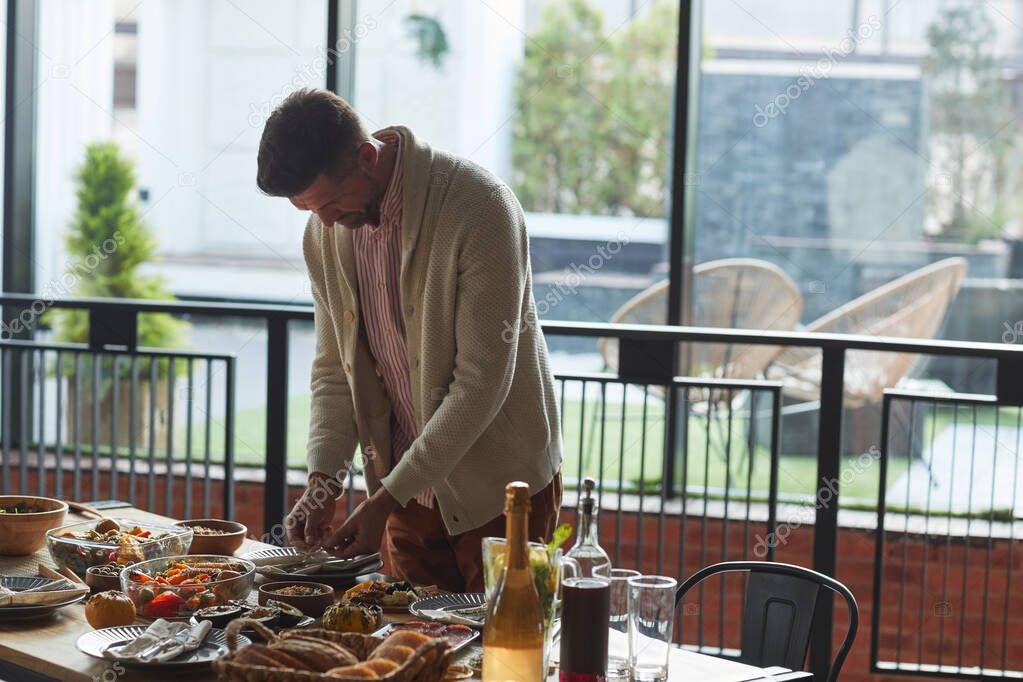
{"points": [[781, 600]]}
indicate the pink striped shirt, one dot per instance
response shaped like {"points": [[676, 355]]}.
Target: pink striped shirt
{"points": [[378, 264]]}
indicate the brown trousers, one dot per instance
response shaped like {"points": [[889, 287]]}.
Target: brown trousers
{"points": [[418, 548]]}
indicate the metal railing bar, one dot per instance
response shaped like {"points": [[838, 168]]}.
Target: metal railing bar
{"points": [[990, 541], [564, 328], [59, 441], [692, 382], [948, 538], [582, 440], [115, 386], [190, 398], [642, 477], [966, 545], [621, 472], [927, 535], [207, 439], [41, 442], [145, 352], [726, 521], [78, 426], [704, 521], [5, 441], [23, 432], [1012, 534], [879, 542], [229, 439], [772, 493], [905, 536], [169, 489], [944, 398], [151, 459], [96, 383], [133, 434]]}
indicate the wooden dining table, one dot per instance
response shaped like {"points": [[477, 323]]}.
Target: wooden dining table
{"points": [[45, 649]]}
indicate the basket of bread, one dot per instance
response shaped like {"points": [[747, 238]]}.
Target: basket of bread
{"points": [[317, 655]]}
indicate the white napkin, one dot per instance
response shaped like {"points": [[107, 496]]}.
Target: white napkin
{"points": [[49, 593], [450, 617], [161, 642]]}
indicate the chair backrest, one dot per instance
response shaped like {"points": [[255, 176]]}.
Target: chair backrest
{"points": [[742, 293], [781, 600], [912, 306]]}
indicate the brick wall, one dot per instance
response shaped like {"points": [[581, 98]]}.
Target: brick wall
{"points": [[915, 573]]}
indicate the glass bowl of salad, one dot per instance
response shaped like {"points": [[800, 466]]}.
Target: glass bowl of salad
{"points": [[178, 586], [79, 546]]}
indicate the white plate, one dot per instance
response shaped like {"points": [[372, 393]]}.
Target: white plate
{"points": [[95, 642]]}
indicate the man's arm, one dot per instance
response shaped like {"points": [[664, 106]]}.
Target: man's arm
{"points": [[332, 431], [492, 269], [333, 434]]}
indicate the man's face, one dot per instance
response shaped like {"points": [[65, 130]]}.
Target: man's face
{"points": [[353, 201]]}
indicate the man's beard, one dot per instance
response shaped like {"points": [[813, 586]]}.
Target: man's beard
{"points": [[371, 211]]}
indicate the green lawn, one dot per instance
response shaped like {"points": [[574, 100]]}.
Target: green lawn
{"points": [[630, 453]]}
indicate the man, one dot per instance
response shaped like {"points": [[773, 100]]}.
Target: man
{"points": [[427, 351]]}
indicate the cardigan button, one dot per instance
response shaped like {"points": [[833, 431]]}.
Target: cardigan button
{"points": [[454, 518], [409, 310], [349, 316], [348, 367]]}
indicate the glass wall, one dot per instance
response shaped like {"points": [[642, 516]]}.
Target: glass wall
{"points": [[568, 102], [183, 89]]}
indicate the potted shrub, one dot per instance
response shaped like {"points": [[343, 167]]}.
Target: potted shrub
{"points": [[106, 243]]}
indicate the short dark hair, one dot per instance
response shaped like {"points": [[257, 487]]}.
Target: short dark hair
{"points": [[311, 132]]}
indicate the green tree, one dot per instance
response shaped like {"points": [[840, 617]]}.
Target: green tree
{"points": [[106, 243], [969, 106], [593, 112]]}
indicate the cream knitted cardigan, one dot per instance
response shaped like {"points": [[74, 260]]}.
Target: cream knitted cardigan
{"points": [[482, 386]]}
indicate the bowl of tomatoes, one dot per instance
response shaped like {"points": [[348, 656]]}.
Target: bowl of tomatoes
{"points": [[176, 587]]}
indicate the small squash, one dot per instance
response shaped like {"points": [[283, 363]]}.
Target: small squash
{"points": [[349, 617], [109, 609]]}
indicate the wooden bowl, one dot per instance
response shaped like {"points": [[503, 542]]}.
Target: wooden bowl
{"points": [[26, 533], [311, 605], [99, 582], [226, 544]]}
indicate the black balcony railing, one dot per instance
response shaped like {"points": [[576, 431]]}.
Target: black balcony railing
{"points": [[690, 466]]}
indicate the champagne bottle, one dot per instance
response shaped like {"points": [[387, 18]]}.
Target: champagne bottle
{"points": [[513, 634]]}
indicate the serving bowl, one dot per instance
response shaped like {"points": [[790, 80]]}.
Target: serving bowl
{"points": [[312, 605], [228, 538], [104, 578], [176, 587], [24, 532], [79, 553]]}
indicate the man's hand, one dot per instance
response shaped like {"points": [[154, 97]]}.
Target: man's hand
{"points": [[362, 531], [308, 524]]}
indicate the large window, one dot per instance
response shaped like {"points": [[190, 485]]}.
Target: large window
{"points": [[568, 102], [183, 88]]}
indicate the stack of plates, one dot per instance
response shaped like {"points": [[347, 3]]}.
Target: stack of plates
{"points": [[284, 563], [18, 584]]}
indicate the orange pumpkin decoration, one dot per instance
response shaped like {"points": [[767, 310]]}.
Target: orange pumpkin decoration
{"points": [[109, 609]]}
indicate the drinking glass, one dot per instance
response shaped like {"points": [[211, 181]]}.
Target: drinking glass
{"points": [[618, 641], [651, 617], [548, 569]]}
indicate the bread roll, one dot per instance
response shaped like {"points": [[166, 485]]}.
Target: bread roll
{"points": [[393, 652], [381, 666], [409, 638], [360, 670]]}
